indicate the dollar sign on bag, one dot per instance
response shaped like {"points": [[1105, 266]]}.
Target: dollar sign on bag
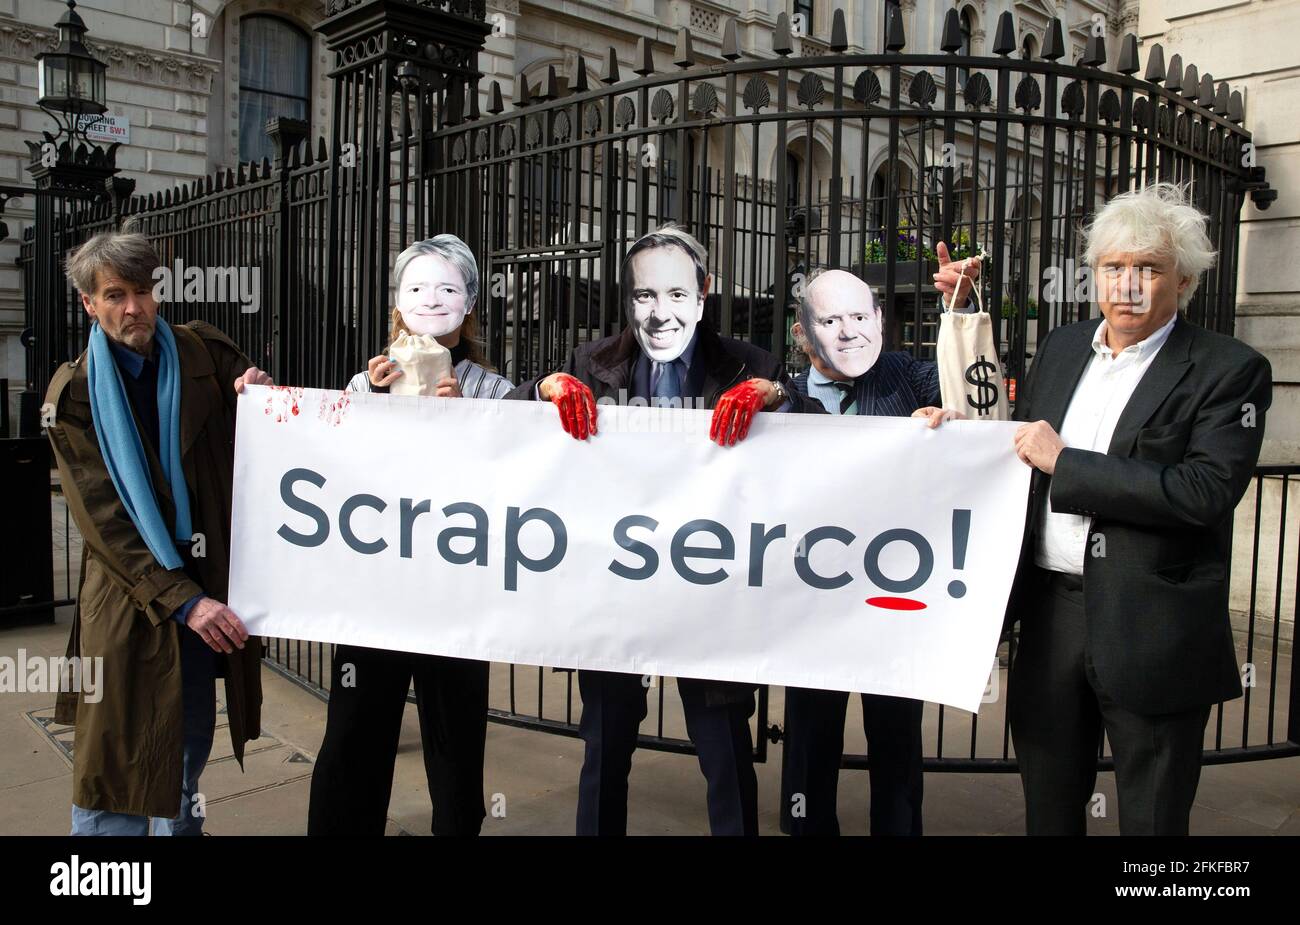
{"points": [[977, 374]]}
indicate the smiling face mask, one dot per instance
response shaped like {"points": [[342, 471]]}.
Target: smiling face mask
{"points": [[666, 301], [845, 332], [431, 296]]}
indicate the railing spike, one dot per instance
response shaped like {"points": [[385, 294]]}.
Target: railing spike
{"points": [[1128, 55], [684, 56], [1174, 73], [611, 67], [321, 151], [951, 39], [552, 84], [1054, 41], [894, 37], [730, 41], [645, 57], [1155, 64], [523, 95], [782, 43], [1004, 40], [1236, 111], [495, 102], [580, 84], [1191, 82], [1095, 54], [1221, 100], [839, 32], [1206, 96]]}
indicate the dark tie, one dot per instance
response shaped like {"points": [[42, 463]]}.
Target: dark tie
{"points": [[669, 385], [846, 395]]}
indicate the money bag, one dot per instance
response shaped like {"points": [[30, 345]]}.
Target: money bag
{"points": [[970, 377], [423, 362]]}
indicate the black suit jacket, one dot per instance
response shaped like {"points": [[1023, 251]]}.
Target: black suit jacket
{"points": [[608, 365], [896, 385], [1162, 498]]}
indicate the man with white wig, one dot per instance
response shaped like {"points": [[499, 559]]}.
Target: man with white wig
{"points": [[1143, 430]]}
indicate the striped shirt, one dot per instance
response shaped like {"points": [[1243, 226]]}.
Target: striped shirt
{"points": [[474, 380]]}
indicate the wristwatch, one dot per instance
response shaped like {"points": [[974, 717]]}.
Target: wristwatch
{"points": [[781, 394]]}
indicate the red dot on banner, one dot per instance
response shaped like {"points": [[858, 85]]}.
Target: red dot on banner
{"points": [[896, 603]]}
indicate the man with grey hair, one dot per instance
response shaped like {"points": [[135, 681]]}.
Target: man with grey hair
{"points": [[143, 432], [1143, 431]]}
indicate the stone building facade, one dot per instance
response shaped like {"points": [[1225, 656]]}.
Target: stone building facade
{"points": [[192, 80]]}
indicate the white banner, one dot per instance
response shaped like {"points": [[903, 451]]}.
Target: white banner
{"points": [[849, 553]]}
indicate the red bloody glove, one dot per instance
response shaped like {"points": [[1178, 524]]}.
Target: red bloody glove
{"points": [[577, 405], [734, 412]]}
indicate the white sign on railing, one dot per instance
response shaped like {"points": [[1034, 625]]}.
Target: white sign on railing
{"points": [[107, 127], [850, 553]]}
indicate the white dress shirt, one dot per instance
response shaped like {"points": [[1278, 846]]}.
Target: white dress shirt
{"points": [[1104, 390], [824, 389]]}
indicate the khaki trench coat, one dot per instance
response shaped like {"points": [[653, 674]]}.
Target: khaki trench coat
{"points": [[128, 750]]}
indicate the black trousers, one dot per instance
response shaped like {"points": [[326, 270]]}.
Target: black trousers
{"points": [[814, 746], [717, 721], [1058, 712], [353, 779]]}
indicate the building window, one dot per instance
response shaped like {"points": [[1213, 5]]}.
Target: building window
{"points": [[964, 73], [878, 201], [274, 80], [1028, 47], [888, 8], [793, 177], [804, 8]]}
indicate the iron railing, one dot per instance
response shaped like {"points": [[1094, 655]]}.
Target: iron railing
{"points": [[1263, 723], [779, 165]]}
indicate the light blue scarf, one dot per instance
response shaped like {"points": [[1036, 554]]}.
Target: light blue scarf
{"points": [[123, 452]]}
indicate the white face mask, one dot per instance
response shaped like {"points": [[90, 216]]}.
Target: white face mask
{"points": [[666, 301], [847, 338], [431, 296]]}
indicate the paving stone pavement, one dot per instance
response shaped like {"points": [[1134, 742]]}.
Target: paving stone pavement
{"points": [[531, 777]]}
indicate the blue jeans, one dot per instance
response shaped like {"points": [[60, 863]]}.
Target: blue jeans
{"points": [[199, 696]]}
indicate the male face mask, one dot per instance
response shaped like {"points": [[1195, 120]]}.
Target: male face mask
{"points": [[667, 302], [845, 328], [431, 296]]}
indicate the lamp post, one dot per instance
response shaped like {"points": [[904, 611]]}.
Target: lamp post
{"points": [[67, 168], [70, 81]]}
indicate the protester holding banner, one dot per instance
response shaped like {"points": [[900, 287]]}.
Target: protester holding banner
{"points": [[436, 286], [143, 426], [666, 355], [1145, 430], [840, 327]]}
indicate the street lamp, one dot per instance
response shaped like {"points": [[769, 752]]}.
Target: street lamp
{"points": [[68, 172], [70, 80]]}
